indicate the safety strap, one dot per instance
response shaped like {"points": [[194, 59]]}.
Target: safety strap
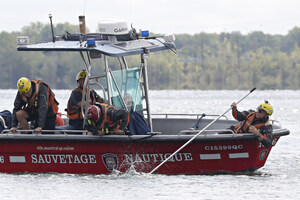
{"points": [[105, 117], [37, 87]]}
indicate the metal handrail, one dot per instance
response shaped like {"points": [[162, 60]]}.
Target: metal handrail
{"points": [[275, 122], [102, 88], [197, 115], [205, 131], [84, 132]]}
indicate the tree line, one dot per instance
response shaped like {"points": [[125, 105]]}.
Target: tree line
{"points": [[203, 61]]}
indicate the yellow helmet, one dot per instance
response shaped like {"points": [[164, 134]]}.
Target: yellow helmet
{"points": [[24, 85], [267, 107], [81, 74]]}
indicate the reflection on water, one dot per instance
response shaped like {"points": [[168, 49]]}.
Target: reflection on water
{"points": [[278, 179]]}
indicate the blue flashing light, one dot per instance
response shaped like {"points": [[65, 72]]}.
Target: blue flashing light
{"points": [[91, 43], [145, 33]]}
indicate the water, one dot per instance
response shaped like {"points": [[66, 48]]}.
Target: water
{"points": [[278, 179]]}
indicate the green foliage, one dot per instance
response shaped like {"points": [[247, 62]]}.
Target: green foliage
{"points": [[204, 61]]}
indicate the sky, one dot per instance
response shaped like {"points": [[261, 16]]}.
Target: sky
{"points": [[159, 16]]}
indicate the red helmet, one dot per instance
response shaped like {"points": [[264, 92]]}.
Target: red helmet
{"points": [[94, 113]]}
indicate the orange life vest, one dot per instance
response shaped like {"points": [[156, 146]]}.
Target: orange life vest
{"points": [[51, 101], [74, 112], [107, 122], [243, 127], [59, 121]]}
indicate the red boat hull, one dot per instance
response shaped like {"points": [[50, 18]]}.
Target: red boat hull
{"points": [[101, 157]]}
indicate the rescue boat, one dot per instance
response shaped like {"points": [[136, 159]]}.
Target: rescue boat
{"points": [[209, 149]]}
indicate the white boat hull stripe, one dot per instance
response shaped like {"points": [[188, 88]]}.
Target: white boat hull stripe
{"points": [[17, 159], [239, 155], [216, 156]]}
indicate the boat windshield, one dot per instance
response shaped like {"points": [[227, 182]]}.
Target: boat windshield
{"points": [[124, 84]]}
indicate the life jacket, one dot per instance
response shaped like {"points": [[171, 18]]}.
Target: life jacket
{"points": [[74, 112], [243, 127], [59, 121], [106, 124], [33, 101]]}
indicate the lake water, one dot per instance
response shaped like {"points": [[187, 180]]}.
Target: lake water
{"points": [[278, 179]]}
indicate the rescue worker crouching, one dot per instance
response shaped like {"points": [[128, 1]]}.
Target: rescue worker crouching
{"points": [[34, 102], [256, 122], [74, 104], [104, 119]]}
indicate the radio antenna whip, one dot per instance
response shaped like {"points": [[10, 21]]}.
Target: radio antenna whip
{"points": [[84, 7]]}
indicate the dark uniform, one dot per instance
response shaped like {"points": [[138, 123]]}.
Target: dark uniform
{"points": [[74, 111], [39, 106]]}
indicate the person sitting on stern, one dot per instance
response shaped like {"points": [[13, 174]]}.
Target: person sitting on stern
{"points": [[256, 122]]}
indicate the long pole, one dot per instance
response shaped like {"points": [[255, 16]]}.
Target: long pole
{"points": [[53, 37], [199, 133]]}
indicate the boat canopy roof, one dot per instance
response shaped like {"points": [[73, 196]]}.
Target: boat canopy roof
{"points": [[113, 49], [125, 88]]}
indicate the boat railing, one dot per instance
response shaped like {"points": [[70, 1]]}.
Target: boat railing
{"points": [[63, 133], [217, 131], [101, 87], [275, 122], [185, 115], [60, 132]]}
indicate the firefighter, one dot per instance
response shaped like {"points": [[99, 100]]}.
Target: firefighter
{"points": [[74, 104], [256, 122], [103, 119], [34, 102]]}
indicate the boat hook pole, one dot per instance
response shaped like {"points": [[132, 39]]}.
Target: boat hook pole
{"points": [[199, 133]]}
